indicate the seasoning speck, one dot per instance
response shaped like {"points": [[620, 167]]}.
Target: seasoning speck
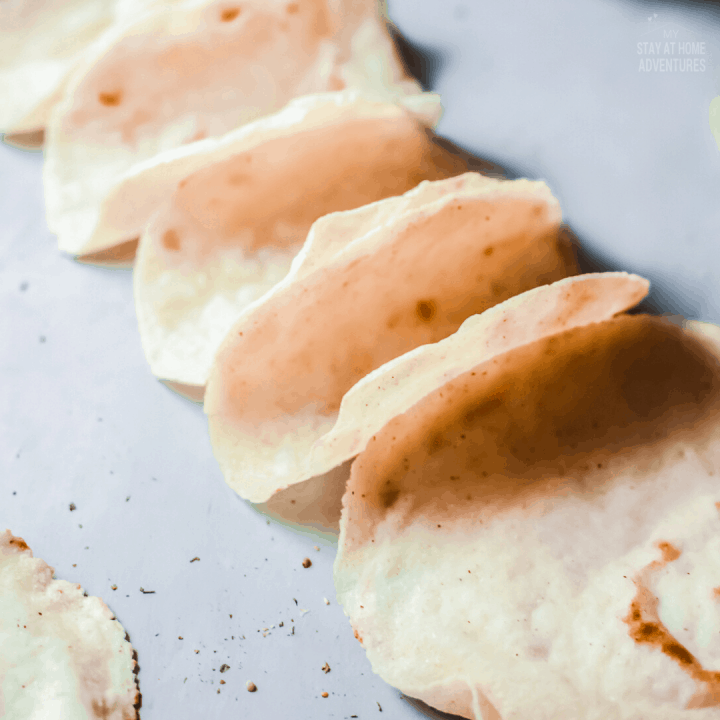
{"points": [[251, 686], [307, 562]]}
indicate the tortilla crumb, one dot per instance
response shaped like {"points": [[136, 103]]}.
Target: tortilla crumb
{"points": [[224, 668], [324, 694], [113, 587], [72, 507], [325, 668], [251, 686], [195, 559], [307, 562]]}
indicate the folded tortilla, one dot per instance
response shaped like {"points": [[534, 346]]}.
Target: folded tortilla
{"points": [[232, 227], [194, 70], [535, 531], [369, 285], [40, 43], [64, 655]]}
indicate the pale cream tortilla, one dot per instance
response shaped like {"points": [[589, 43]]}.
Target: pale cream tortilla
{"points": [[196, 70], [64, 655], [40, 43], [538, 536], [369, 285], [232, 227]]}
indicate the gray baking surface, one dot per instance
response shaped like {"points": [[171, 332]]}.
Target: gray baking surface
{"points": [[549, 90]]}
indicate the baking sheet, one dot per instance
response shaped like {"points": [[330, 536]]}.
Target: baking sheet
{"points": [[547, 90]]}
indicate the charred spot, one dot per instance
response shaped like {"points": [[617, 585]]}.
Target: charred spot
{"points": [[425, 310], [358, 637], [19, 543], [229, 14], [488, 251], [648, 632], [389, 496], [110, 99], [677, 652], [171, 240]]}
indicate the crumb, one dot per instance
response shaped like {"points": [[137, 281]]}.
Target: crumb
{"points": [[295, 601], [197, 652], [327, 602], [307, 562], [218, 692], [112, 587], [379, 706], [72, 507], [280, 624], [224, 668], [315, 547], [324, 694], [325, 668], [180, 637], [195, 559], [251, 686], [222, 682], [74, 564], [147, 592]]}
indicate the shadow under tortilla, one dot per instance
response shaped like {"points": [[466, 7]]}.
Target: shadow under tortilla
{"points": [[313, 505], [193, 393], [120, 257], [422, 62], [429, 711], [31, 141]]}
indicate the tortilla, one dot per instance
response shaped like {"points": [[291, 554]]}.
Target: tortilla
{"points": [[369, 285], [537, 535], [64, 655], [39, 45], [196, 70], [232, 228]]}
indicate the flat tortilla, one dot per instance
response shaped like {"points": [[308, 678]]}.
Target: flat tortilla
{"points": [[233, 226], [64, 655], [196, 70], [369, 285], [537, 536]]}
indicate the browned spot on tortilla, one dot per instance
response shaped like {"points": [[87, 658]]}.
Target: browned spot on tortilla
{"points": [[670, 552], [646, 628], [389, 496], [292, 8], [358, 637], [229, 14], [171, 240], [19, 543], [716, 593], [425, 310], [488, 251], [110, 99]]}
